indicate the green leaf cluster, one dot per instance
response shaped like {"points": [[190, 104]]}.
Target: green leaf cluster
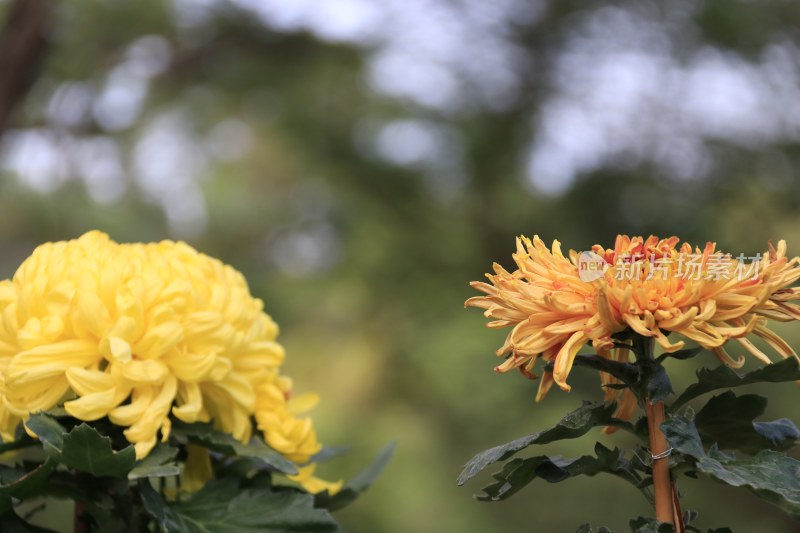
{"points": [[725, 422], [92, 465]]}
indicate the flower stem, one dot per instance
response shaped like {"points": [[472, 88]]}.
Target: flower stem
{"points": [[662, 486], [665, 494]]}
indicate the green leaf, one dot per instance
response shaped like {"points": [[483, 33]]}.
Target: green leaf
{"points": [[57, 412], [647, 378], [204, 435], [242, 468], [21, 483], [221, 506], [10, 522], [650, 525], [86, 449], [689, 518], [723, 377], [518, 473], [654, 377], [49, 431], [574, 425], [329, 452], [83, 448], [625, 372], [773, 476], [158, 463], [681, 355], [105, 500], [166, 519], [358, 484], [23, 442], [728, 421]]}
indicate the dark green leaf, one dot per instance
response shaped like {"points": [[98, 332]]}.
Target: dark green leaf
{"points": [[647, 378], [518, 473], [166, 520], [625, 372], [650, 525], [204, 435], [358, 484], [682, 435], [57, 412], [86, 449], [158, 463], [574, 425], [682, 355], [148, 471], [771, 475], [728, 421], [221, 506], [10, 522], [328, 453], [105, 500], [655, 379], [83, 448], [49, 431], [239, 467], [23, 442], [21, 483], [723, 377]]}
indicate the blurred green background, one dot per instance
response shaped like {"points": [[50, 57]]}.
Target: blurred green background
{"points": [[362, 161]]}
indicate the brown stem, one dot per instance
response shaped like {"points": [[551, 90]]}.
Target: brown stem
{"points": [[676, 503], [662, 485]]}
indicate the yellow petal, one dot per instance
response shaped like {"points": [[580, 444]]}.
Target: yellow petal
{"points": [[159, 340], [565, 358], [127, 414], [302, 404], [115, 349], [147, 371], [92, 406], [49, 360], [191, 402], [197, 469], [85, 381]]}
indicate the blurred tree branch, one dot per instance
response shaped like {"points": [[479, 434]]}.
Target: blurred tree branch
{"points": [[23, 42]]}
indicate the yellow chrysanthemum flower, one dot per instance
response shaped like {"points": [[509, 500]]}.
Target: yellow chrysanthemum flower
{"points": [[197, 470], [136, 332], [306, 478], [650, 286]]}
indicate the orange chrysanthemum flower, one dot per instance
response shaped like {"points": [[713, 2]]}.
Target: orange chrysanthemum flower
{"points": [[651, 286]]}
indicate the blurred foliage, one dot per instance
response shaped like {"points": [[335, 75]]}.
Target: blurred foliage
{"points": [[363, 252]]}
